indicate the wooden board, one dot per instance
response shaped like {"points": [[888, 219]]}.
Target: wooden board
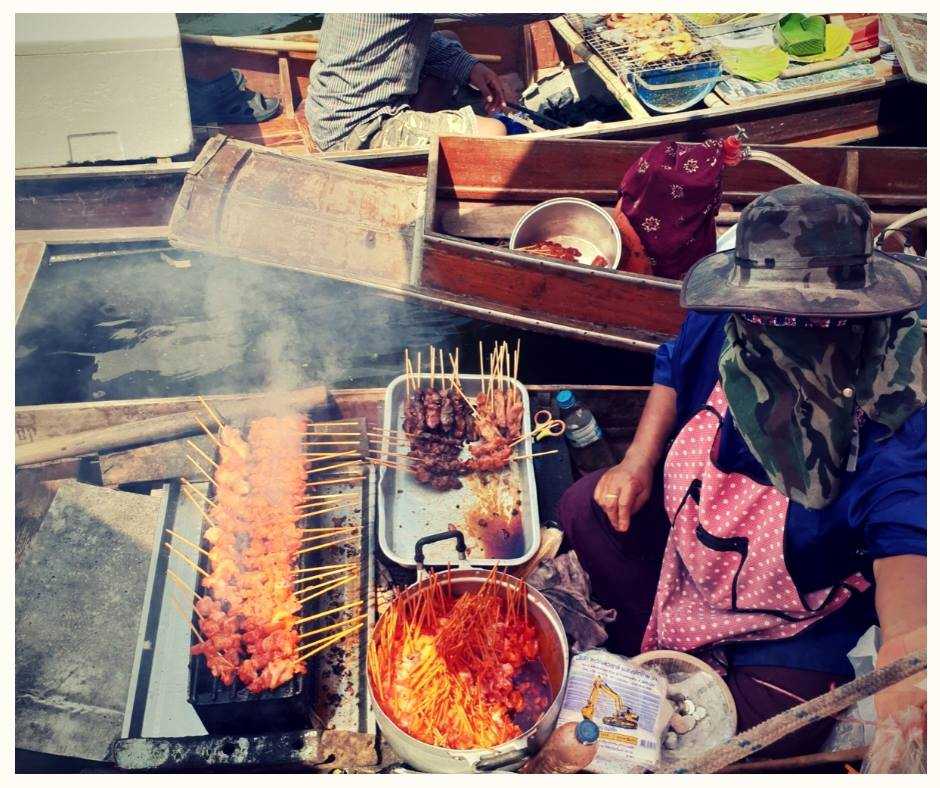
{"points": [[28, 257], [552, 289], [163, 460], [242, 200], [531, 170]]}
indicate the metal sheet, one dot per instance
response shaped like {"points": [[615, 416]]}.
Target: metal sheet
{"points": [[79, 587], [408, 511]]}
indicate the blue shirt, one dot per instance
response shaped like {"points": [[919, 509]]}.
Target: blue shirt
{"points": [[881, 510]]}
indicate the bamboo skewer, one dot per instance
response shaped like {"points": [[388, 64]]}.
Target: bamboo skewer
{"points": [[186, 541], [329, 573], [349, 534], [331, 496], [191, 487], [320, 645], [187, 559], [199, 467], [325, 613], [326, 434], [330, 443], [300, 571], [348, 479], [202, 511], [333, 467], [330, 455], [203, 454], [328, 627], [206, 430], [325, 589], [210, 411], [181, 583], [323, 546], [534, 454]]}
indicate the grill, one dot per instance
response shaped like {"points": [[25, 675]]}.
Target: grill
{"points": [[669, 85]]}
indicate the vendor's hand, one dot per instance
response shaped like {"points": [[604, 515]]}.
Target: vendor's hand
{"points": [[623, 489], [487, 82]]}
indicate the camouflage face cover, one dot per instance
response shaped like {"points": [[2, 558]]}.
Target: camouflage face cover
{"points": [[804, 250], [795, 392]]}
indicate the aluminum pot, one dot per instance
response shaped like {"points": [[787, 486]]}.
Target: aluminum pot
{"points": [[553, 651], [571, 221]]}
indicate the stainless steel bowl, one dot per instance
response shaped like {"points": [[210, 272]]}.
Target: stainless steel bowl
{"points": [[553, 651], [571, 222]]}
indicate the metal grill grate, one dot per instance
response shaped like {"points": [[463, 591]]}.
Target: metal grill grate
{"points": [[621, 59]]}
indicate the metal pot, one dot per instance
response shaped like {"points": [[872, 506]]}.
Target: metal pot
{"points": [[571, 221], [553, 651]]}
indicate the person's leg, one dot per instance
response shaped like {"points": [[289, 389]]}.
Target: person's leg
{"points": [[624, 568], [761, 692]]}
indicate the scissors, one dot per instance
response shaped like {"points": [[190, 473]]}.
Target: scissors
{"points": [[546, 426]]}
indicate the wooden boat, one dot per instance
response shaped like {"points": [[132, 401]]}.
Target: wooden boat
{"points": [[617, 410], [475, 192], [425, 239], [838, 114]]}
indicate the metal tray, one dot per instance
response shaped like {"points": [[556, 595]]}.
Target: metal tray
{"points": [[408, 511]]}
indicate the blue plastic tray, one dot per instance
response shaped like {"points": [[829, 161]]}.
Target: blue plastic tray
{"points": [[673, 89]]}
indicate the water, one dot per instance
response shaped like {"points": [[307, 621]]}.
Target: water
{"points": [[247, 24], [131, 325]]}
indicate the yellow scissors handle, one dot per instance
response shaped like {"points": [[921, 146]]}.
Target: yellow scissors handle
{"points": [[546, 426]]}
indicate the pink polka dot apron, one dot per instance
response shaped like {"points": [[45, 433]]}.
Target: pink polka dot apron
{"points": [[723, 576]]}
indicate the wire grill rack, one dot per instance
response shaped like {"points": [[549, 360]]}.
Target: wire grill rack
{"points": [[621, 58]]}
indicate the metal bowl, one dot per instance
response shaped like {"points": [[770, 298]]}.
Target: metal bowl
{"points": [[571, 222], [553, 651]]}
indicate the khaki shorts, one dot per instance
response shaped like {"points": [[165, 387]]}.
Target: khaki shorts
{"points": [[411, 129]]}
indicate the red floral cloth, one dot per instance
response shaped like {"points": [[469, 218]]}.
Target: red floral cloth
{"points": [[670, 196]]}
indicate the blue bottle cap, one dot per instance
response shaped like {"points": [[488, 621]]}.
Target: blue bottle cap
{"points": [[565, 399], [587, 732]]}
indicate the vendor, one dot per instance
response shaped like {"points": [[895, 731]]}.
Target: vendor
{"points": [[387, 80], [772, 505]]}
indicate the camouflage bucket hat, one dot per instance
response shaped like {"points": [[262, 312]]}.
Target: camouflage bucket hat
{"points": [[804, 250]]}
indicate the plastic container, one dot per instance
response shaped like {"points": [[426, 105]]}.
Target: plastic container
{"points": [[569, 750], [588, 447], [669, 89], [99, 87]]}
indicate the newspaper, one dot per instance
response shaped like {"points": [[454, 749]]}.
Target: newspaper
{"points": [[627, 703]]}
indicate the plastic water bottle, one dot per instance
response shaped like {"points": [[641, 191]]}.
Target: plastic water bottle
{"points": [[588, 447], [569, 749]]}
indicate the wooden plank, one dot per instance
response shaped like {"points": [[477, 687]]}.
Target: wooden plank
{"points": [[241, 200], [28, 255], [174, 425], [494, 220], [161, 460], [39, 422], [611, 299], [530, 170], [93, 235]]}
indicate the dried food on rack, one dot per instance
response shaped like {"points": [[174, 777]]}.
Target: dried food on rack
{"points": [[645, 26]]}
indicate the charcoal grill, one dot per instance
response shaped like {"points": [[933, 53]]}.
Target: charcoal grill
{"points": [[669, 85], [179, 715]]}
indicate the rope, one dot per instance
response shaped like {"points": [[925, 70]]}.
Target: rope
{"points": [[785, 723]]}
